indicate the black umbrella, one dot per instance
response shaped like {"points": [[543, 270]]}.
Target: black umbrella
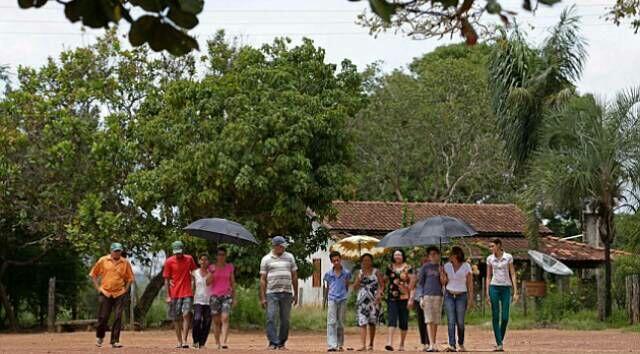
{"points": [[221, 231], [432, 231]]}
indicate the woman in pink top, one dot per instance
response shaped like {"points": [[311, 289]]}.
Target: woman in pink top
{"points": [[222, 284]]}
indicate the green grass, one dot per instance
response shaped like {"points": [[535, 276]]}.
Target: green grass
{"points": [[248, 314], [585, 320]]}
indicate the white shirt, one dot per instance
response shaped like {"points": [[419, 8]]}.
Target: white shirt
{"points": [[500, 268], [201, 295], [457, 281]]}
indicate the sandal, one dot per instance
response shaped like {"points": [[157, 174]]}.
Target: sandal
{"points": [[388, 348], [361, 349]]}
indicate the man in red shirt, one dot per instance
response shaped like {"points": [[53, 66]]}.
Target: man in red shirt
{"points": [[177, 279]]}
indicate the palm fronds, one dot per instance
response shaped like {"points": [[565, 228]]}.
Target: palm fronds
{"points": [[526, 82]]}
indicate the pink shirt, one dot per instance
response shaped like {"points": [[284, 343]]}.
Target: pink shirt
{"points": [[221, 284]]}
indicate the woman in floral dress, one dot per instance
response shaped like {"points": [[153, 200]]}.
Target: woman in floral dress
{"points": [[369, 286]]}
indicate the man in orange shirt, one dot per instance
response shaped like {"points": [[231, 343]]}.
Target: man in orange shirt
{"points": [[112, 275]]}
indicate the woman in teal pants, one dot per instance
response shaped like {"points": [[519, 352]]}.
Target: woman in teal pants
{"points": [[501, 283]]}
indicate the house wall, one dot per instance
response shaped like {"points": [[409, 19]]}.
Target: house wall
{"points": [[314, 296]]}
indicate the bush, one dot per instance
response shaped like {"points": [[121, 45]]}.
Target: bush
{"points": [[248, 314], [622, 267]]}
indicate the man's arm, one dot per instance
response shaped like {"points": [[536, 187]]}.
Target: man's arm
{"points": [[263, 290], [96, 282], [167, 284], [294, 281]]}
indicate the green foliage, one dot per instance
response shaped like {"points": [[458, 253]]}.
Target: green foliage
{"points": [[628, 232], [261, 142], [430, 135], [438, 18], [161, 23], [527, 82], [625, 11]]}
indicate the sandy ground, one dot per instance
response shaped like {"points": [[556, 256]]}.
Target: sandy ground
{"points": [[478, 340]]}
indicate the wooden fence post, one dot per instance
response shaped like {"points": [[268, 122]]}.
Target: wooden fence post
{"points": [[132, 305], [523, 296], [632, 283], [482, 296], [51, 310]]}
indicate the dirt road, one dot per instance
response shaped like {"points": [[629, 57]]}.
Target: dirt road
{"points": [[478, 340]]}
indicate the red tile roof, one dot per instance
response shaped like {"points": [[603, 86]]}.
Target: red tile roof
{"points": [[506, 221], [378, 218], [562, 250]]}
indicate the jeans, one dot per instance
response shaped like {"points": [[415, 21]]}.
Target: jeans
{"points": [[105, 306], [500, 301], [278, 311], [422, 326], [456, 308], [201, 324], [336, 311], [398, 314]]}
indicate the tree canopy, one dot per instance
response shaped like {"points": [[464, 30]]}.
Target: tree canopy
{"points": [[105, 144], [429, 135]]}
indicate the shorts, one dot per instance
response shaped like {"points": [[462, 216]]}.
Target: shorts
{"points": [[180, 307], [221, 304], [432, 307], [398, 314]]}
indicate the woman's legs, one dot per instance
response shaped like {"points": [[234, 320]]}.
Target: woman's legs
{"points": [[505, 300], [224, 317], [217, 327], [422, 327], [450, 309], [403, 321], [363, 336], [372, 334], [392, 311], [461, 310], [197, 323], [500, 303]]}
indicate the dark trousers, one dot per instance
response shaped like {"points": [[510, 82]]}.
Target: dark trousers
{"points": [[201, 323], [422, 326], [105, 306]]}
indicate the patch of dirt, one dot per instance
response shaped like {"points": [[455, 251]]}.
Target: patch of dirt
{"points": [[477, 340]]}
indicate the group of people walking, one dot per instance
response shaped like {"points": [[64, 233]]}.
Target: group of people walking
{"points": [[198, 296], [426, 290]]}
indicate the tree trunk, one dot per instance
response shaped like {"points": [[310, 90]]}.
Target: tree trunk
{"points": [[4, 300], [607, 279], [8, 309], [145, 301]]}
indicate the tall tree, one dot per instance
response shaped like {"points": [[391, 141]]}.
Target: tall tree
{"points": [[589, 152], [429, 135], [260, 140], [526, 82]]}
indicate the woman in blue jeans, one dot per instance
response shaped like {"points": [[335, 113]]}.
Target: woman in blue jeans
{"points": [[501, 283], [458, 296]]}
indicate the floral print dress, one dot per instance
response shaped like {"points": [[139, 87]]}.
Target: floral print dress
{"points": [[366, 307], [399, 279]]}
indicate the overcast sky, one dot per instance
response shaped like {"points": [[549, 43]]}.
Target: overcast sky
{"points": [[28, 37]]}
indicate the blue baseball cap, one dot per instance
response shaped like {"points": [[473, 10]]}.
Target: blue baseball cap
{"points": [[279, 241]]}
